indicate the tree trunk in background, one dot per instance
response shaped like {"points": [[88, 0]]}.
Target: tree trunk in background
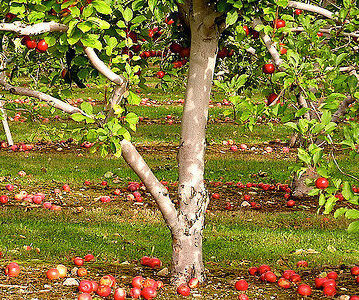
{"points": [[187, 259]]}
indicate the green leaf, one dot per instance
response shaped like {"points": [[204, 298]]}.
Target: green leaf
{"points": [[127, 14], [78, 117], [133, 98], [282, 3], [131, 118], [354, 227], [340, 58], [102, 7], [152, 4], [87, 108], [329, 205], [84, 26], [102, 24], [232, 17], [340, 212], [326, 117], [87, 11], [352, 214], [347, 191]]}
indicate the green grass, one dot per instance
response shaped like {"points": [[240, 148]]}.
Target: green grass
{"points": [[228, 237]]}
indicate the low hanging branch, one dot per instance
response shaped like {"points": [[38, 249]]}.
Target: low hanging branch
{"points": [[312, 8], [35, 29], [129, 152], [41, 96]]}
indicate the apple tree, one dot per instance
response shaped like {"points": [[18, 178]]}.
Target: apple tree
{"points": [[96, 40]]}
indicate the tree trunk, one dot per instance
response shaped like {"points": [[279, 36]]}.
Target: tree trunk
{"points": [[300, 188], [187, 237]]}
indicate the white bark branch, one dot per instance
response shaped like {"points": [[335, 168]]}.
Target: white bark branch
{"points": [[35, 29], [6, 125], [102, 68], [312, 8], [41, 96], [157, 190], [328, 31], [269, 44]]}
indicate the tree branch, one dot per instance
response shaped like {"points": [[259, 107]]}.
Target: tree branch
{"points": [[41, 96], [312, 8], [100, 66], [268, 43], [342, 109], [328, 31], [157, 190], [35, 29]]}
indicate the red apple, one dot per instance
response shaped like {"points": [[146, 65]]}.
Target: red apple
{"points": [[81, 272], [53, 274], [332, 275], [215, 196], [137, 282], [291, 203], [42, 46], [319, 281], [103, 291], [329, 291], [302, 264], [295, 278], [94, 285], [108, 280], [241, 285], [279, 23], [193, 283], [263, 269], [120, 294], [4, 199], [149, 282], [322, 183], [270, 276], [354, 270], [89, 257], [66, 187], [62, 271], [184, 290], [253, 271], [148, 293], [160, 74], [84, 296], [31, 44], [85, 286], [9, 187], [304, 290], [243, 297], [155, 263], [284, 283], [298, 12], [135, 293], [12, 269], [78, 261], [268, 68]]}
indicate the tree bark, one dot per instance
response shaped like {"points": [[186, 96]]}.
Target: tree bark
{"points": [[187, 240]]}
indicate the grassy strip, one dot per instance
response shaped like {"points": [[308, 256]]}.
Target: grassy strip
{"points": [[129, 234]]}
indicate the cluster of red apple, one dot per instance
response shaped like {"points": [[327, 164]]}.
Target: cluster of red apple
{"points": [[146, 288], [17, 147], [41, 46], [289, 277]]}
